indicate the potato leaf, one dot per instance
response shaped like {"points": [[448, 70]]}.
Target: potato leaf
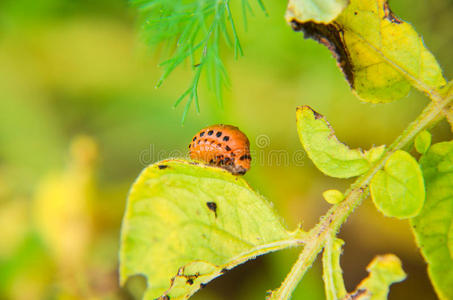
{"points": [[422, 142], [384, 270], [333, 196], [380, 55], [329, 155], [398, 190], [187, 223], [315, 10], [433, 227]]}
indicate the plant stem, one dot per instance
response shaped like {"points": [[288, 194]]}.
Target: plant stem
{"points": [[337, 214]]}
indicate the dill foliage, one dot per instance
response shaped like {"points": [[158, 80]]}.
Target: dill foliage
{"points": [[191, 31]]}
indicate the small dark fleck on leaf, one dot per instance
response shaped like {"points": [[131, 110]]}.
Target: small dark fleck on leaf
{"points": [[161, 167], [223, 271], [189, 281], [213, 207], [202, 285]]}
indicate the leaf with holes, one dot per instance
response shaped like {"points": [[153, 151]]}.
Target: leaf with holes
{"points": [[187, 223], [398, 190], [433, 227], [380, 55], [329, 155]]}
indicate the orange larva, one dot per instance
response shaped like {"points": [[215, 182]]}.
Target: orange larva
{"points": [[224, 146]]}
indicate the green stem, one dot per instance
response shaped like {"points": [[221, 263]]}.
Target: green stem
{"points": [[337, 214]]}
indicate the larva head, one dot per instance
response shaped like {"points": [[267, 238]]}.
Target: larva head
{"points": [[224, 146]]}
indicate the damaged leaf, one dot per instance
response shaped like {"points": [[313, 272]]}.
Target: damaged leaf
{"points": [[380, 55], [187, 223], [433, 227], [329, 155], [384, 271]]}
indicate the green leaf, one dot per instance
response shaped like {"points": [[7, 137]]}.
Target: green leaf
{"points": [[384, 270], [333, 196], [380, 55], [315, 10], [398, 190], [422, 142], [187, 223], [332, 273], [329, 155], [433, 227]]}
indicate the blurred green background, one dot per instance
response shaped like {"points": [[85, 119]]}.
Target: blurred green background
{"points": [[80, 117]]}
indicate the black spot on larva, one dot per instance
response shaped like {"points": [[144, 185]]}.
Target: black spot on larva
{"points": [[211, 161], [201, 133], [213, 207], [245, 156], [190, 145], [205, 140], [189, 281], [194, 139], [220, 145], [198, 141], [226, 138], [241, 172], [218, 134], [227, 148], [202, 285], [161, 167], [210, 132]]}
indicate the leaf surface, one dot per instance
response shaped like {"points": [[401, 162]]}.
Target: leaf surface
{"points": [[315, 10], [422, 142], [329, 155], [433, 227], [398, 190], [187, 223]]}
